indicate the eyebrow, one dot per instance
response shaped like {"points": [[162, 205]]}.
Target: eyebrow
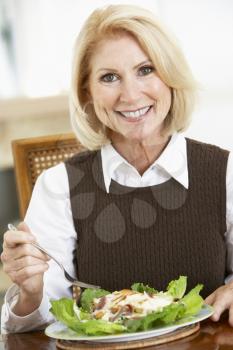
{"points": [[135, 67]]}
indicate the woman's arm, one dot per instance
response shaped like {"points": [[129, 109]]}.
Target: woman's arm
{"points": [[25, 265], [222, 298], [50, 220]]}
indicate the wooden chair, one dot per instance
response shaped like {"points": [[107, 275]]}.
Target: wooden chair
{"points": [[33, 155]]}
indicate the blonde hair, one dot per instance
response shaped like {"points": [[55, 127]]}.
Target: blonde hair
{"points": [[161, 48]]}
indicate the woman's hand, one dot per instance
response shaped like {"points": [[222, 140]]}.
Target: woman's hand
{"points": [[222, 299], [25, 265]]}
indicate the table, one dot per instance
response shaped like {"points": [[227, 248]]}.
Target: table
{"points": [[212, 336]]}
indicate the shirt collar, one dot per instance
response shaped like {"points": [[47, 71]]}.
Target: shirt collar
{"points": [[173, 161]]}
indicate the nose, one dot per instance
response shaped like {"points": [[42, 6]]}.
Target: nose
{"points": [[130, 91]]}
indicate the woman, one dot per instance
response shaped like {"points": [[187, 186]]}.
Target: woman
{"points": [[144, 203]]}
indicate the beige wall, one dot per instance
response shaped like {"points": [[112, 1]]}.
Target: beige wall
{"points": [[24, 117]]}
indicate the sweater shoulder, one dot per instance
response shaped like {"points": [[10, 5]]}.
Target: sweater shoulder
{"points": [[80, 158], [207, 148]]}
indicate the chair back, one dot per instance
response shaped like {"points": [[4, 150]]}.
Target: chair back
{"points": [[33, 155]]}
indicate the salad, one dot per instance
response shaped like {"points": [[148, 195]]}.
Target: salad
{"points": [[129, 310]]}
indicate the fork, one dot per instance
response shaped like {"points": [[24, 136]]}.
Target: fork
{"points": [[71, 279]]}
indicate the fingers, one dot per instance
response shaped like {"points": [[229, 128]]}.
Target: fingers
{"points": [[221, 300], [21, 269], [21, 251], [210, 299], [24, 263], [22, 235], [16, 244], [22, 275], [219, 307], [23, 227], [13, 238], [22, 260], [231, 315], [18, 264]]}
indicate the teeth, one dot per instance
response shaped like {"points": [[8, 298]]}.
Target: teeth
{"points": [[136, 114]]}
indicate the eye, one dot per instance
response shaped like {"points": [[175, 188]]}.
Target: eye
{"points": [[109, 78], [145, 70]]}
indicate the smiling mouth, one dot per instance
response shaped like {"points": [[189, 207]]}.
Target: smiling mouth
{"points": [[135, 115]]}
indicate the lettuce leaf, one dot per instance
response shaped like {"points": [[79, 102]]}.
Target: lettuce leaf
{"points": [[89, 295], [188, 306], [140, 287], [80, 319], [168, 315], [100, 327], [63, 310], [177, 288], [192, 301], [80, 313]]}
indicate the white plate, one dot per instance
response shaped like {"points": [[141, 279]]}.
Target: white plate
{"points": [[59, 331]]}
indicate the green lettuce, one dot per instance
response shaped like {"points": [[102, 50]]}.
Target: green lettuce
{"points": [[177, 288], [63, 310], [80, 319], [140, 287], [192, 302], [168, 315], [89, 295], [189, 305]]}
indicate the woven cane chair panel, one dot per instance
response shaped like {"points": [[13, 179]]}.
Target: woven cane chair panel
{"points": [[40, 159]]}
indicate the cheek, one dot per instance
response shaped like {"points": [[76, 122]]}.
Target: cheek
{"points": [[104, 96], [103, 107], [158, 87], [102, 104], [100, 101]]}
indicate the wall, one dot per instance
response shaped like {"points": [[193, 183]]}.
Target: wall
{"points": [[20, 118], [24, 117], [204, 29]]}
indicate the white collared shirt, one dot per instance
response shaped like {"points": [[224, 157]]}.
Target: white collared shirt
{"points": [[171, 163], [49, 217]]}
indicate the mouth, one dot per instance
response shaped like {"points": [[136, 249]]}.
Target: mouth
{"points": [[136, 115]]}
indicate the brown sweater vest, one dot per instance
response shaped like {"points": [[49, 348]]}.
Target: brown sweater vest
{"points": [[151, 234]]}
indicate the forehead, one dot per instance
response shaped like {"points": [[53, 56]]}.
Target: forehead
{"points": [[116, 50]]}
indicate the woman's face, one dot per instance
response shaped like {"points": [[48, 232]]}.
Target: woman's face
{"points": [[127, 94]]}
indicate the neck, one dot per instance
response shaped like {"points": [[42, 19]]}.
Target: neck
{"points": [[138, 153]]}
